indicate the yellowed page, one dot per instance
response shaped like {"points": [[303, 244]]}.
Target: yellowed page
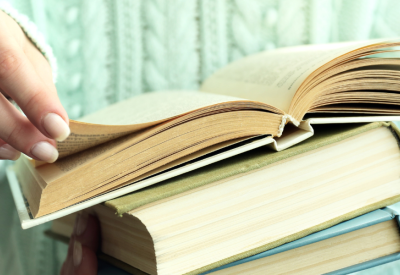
{"points": [[273, 77], [133, 115], [325, 256]]}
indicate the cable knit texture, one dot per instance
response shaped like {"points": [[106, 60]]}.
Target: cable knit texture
{"points": [[124, 38], [109, 50], [171, 60]]}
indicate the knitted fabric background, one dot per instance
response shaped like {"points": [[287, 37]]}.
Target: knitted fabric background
{"points": [[109, 50]]}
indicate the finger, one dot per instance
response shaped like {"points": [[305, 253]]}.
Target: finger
{"points": [[42, 66], [36, 96], [80, 260], [84, 243], [17, 131], [84, 260], [8, 152], [68, 265], [5, 95], [87, 230]]}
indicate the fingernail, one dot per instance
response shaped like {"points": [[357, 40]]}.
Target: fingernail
{"points": [[56, 127], [7, 152], [44, 151], [77, 254], [81, 223]]}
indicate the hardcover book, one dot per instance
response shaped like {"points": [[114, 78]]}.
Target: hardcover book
{"points": [[271, 98], [361, 243], [253, 202]]}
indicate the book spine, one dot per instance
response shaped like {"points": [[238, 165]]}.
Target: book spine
{"points": [[285, 119]]}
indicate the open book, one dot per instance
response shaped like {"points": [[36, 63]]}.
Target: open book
{"points": [[259, 95]]}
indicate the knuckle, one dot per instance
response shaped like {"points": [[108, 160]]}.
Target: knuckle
{"points": [[33, 99], [9, 63], [21, 136], [14, 135]]}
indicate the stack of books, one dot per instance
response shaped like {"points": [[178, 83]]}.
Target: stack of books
{"points": [[301, 177]]}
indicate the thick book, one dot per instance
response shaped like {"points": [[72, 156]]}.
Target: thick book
{"points": [[254, 202], [363, 242], [270, 94]]}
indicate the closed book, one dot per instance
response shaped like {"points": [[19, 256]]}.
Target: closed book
{"points": [[252, 203], [361, 243]]}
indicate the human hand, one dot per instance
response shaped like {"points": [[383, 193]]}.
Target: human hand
{"points": [[83, 245], [26, 77]]}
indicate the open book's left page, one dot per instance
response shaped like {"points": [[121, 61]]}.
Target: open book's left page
{"points": [[134, 115]]}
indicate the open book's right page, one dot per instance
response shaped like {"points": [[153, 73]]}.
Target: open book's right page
{"points": [[273, 77]]}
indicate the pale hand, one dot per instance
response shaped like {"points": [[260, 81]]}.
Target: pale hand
{"points": [[26, 77]]}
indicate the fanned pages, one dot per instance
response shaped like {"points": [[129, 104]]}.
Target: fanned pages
{"points": [[253, 97]]}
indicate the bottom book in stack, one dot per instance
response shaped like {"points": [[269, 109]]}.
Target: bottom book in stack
{"points": [[234, 216], [366, 241]]}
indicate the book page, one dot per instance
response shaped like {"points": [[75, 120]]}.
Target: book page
{"points": [[153, 107], [133, 115], [273, 77]]}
